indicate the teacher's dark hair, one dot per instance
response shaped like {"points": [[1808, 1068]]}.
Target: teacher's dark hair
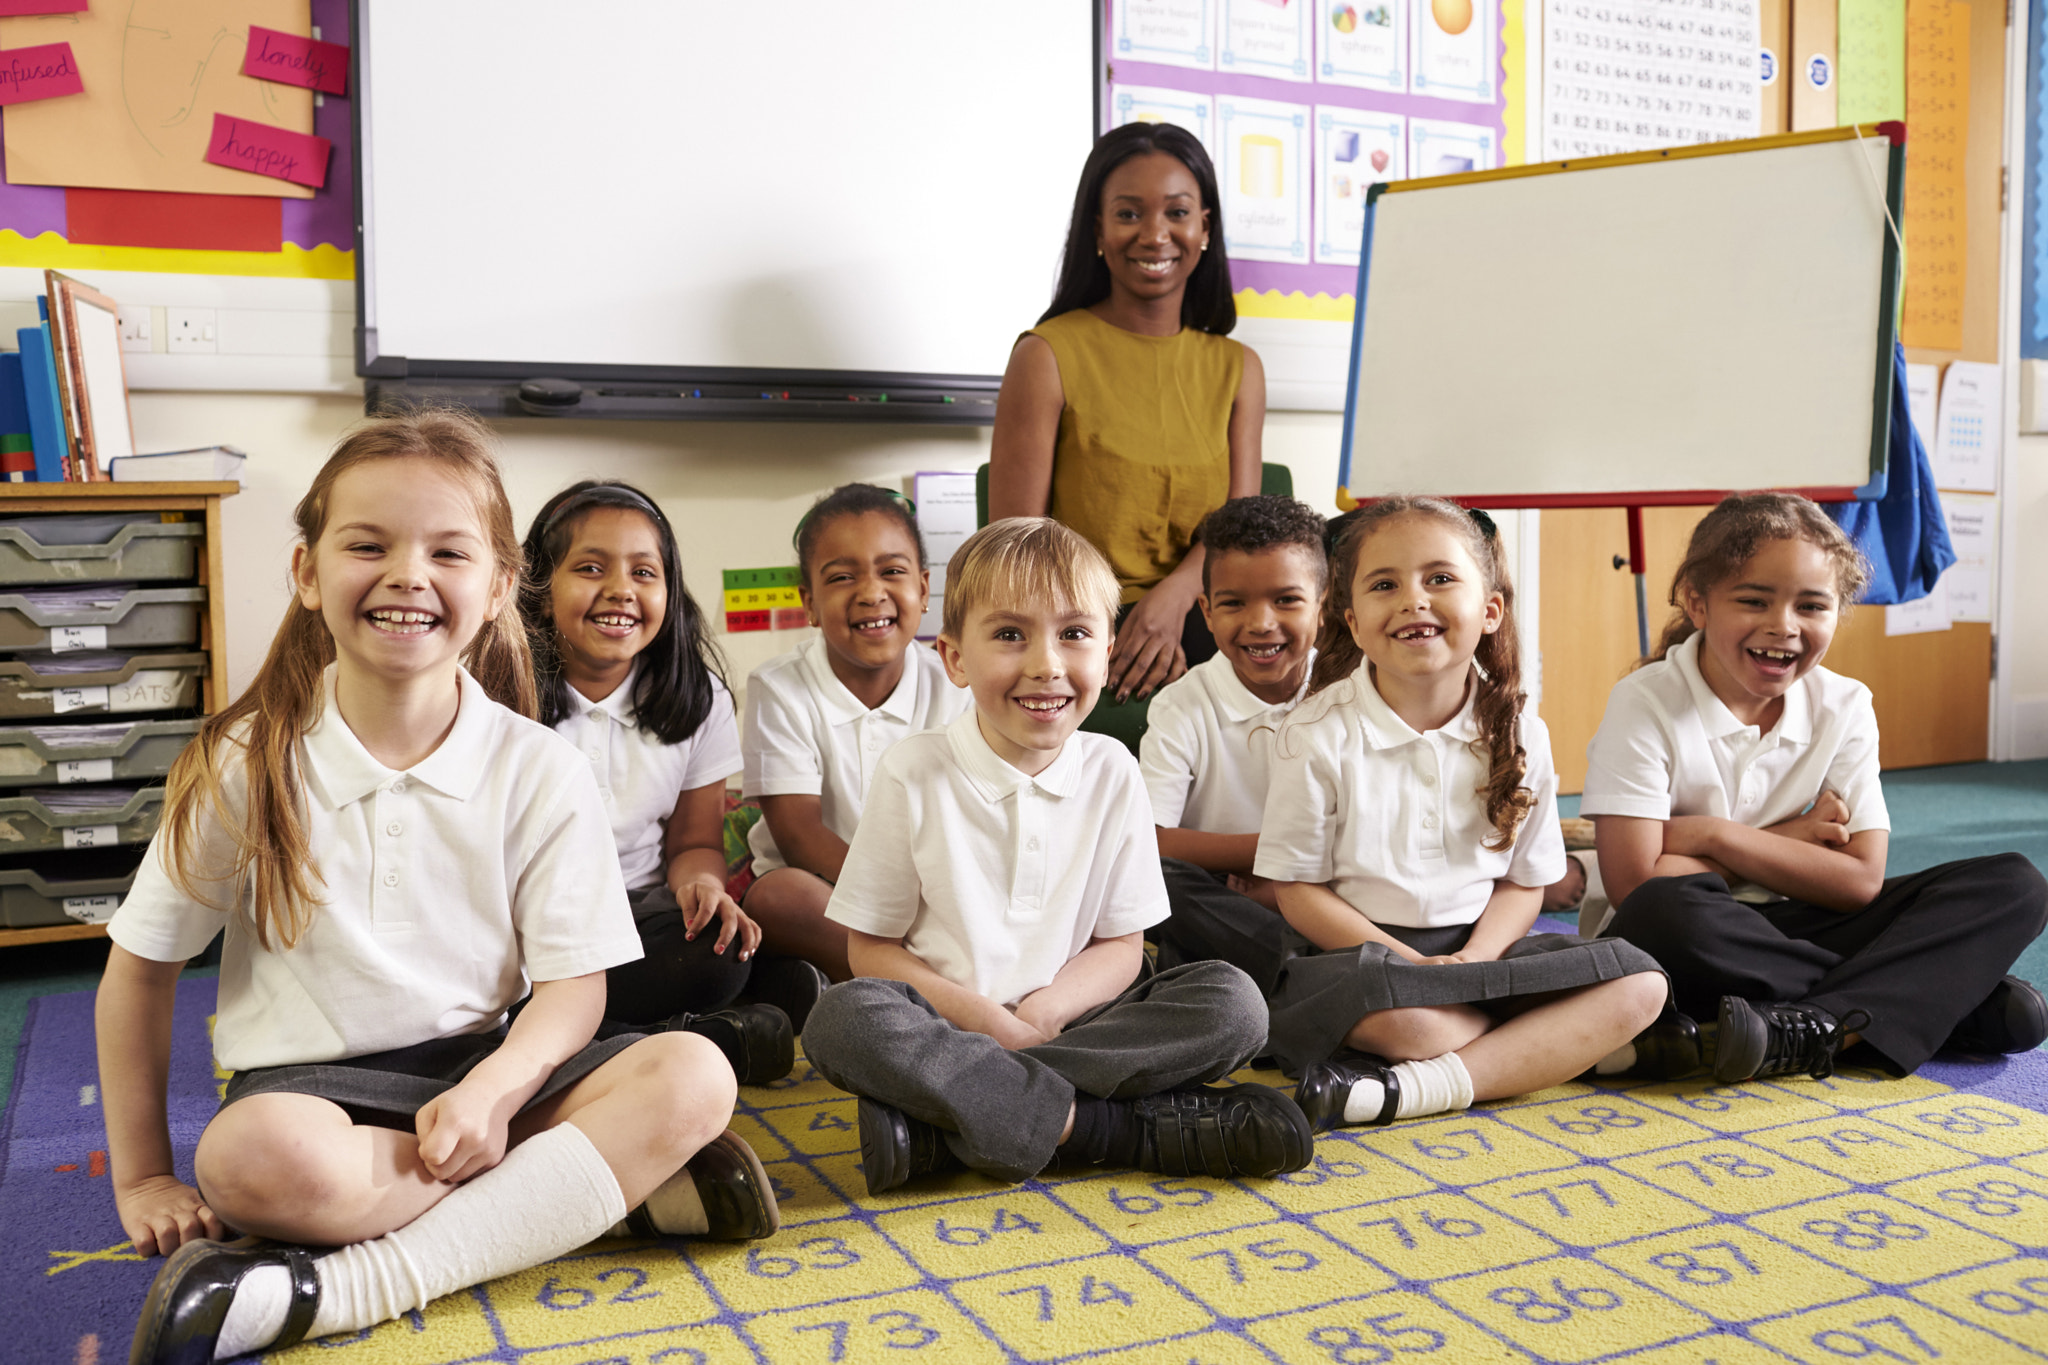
{"points": [[1207, 306]]}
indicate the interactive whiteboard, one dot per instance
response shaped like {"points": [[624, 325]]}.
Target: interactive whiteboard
{"points": [[1634, 329]]}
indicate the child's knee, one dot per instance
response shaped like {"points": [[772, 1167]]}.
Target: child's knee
{"points": [[685, 1080], [1641, 997], [259, 1155], [1407, 1035]]}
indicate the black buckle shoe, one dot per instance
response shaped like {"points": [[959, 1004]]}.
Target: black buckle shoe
{"points": [[1326, 1086], [895, 1148], [1778, 1039], [1668, 1048], [188, 1301], [1221, 1132], [756, 1039], [2013, 1018], [790, 984]]}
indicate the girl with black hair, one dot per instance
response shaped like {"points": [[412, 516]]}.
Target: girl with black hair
{"points": [[1127, 412], [625, 673]]}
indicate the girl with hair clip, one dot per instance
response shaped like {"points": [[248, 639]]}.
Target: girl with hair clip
{"points": [[820, 717], [1411, 826], [1128, 413], [1742, 829], [396, 850], [627, 674]]}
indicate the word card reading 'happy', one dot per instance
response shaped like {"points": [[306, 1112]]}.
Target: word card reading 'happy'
{"points": [[38, 73], [267, 150], [291, 60]]}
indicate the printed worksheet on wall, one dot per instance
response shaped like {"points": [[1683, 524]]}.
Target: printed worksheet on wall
{"points": [[1262, 162], [1172, 32], [1456, 53], [1354, 148], [1364, 43], [1265, 38], [1637, 74], [1151, 104]]}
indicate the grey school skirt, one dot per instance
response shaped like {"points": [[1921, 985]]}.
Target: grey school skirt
{"points": [[386, 1089], [1321, 995]]}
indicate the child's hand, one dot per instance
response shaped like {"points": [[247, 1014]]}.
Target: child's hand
{"points": [[700, 902], [1029, 1013], [162, 1213], [460, 1134], [1258, 889], [1826, 824], [1012, 1030]]}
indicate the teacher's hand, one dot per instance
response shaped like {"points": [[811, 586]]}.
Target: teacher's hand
{"points": [[1148, 654]]}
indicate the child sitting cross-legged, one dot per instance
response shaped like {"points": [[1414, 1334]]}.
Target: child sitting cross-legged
{"points": [[995, 893]]}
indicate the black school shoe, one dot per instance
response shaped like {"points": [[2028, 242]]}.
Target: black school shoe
{"points": [[756, 1039], [1326, 1086], [737, 1195], [790, 984], [1778, 1039], [1222, 1131], [1668, 1048], [896, 1148], [2013, 1018], [188, 1301]]}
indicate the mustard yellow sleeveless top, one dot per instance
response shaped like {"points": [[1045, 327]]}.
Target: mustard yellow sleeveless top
{"points": [[1144, 444]]}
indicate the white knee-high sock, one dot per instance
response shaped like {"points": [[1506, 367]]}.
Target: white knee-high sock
{"points": [[550, 1195], [1435, 1085]]}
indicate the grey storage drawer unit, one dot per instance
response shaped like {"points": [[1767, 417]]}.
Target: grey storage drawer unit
{"points": [[138, 682], [143, 749], [115, 816], [52, 891], [138, 619], [140, 546]]}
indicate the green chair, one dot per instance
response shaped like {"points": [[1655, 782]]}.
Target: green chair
{"points": [[1125, 721]]}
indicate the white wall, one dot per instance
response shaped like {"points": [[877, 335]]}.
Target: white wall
{"points": [[734, 491], [2023, 646]]}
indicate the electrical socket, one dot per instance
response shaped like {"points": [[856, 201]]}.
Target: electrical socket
{"points": [[192, 331], [135, 328]]}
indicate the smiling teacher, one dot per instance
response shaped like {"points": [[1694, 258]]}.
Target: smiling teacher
{"points": [[1127, 412]]}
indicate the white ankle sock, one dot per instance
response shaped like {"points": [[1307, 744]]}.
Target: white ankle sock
{"points": [[1617, 1061], [1436, 1085], [550, 1195]]}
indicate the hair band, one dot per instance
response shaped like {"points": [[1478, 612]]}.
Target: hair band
{"points": [[603, 495], [1484, 522], [796, 537]]}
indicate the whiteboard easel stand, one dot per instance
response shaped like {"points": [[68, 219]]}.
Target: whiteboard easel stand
{"points": [[1889, 199]]}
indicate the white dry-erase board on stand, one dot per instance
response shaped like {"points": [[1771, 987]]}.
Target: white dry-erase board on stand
{"points": [[1632, 330], [679, 205]]}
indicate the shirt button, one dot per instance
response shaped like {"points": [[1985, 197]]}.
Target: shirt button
{"points": [[596, 754], [390, 879], [1031, 845], [606, 793], [1429, 779], [1429, 822], [398, 787], [393, 828]]}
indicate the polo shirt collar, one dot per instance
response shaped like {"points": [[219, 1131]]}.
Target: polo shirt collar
{"points": [[839, 703], [1386, 730], [619, 705], [341, 771], [1795, 725], [995, 779], [1238, 702]]}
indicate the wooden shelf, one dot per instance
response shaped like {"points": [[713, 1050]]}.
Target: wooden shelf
{"points": [[107, 496], [50, 933]]}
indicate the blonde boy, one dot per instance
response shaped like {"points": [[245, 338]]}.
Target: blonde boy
{"points": [[996, 892]]}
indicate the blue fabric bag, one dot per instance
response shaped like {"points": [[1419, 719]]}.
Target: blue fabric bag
{"points": [[1903, 534]]}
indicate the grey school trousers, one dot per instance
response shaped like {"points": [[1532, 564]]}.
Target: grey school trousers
{"points": [[1002, 1111]]}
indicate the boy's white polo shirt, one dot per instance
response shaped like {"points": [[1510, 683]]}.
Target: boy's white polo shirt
{"points": [[639, 777], [1208, 747], [806, 735], [994, 878], [1392, 820], [447, 887], [1668, 746]]}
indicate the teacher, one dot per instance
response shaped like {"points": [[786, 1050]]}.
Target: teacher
{"points": [[1128, 413]]}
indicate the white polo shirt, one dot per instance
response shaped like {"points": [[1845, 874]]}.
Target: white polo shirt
{"points": [[446, 888], [1668, 746], [807, 735], [1394, 821], [994, 878], [1208, 748], [639, 778]]}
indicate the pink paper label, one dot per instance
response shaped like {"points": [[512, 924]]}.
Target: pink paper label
{"points": [[38, 73], [292, 60], [12, 7], [267, 150]]}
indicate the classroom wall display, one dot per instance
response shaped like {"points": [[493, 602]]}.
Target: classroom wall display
{"points": [[1937, 210], [1440, 147], [1362, 68], [2034, 293], [1630, 77], [1266, 38], [1263, 177], [1151, 104], [1355, 150], [261, 227]]}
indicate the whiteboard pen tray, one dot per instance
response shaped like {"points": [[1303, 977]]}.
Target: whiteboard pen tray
{"points": [[97, 684], [66, 890], [99, 616], [80, 548], [39, 755], [48, 819]]}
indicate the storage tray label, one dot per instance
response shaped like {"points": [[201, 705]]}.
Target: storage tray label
{"points": [[92, 836], [85, 770], [64, 699], [92, 909], [66, 638]]}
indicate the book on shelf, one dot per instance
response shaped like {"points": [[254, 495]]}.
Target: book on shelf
{"points": [[205, 464], [47, 434]]}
